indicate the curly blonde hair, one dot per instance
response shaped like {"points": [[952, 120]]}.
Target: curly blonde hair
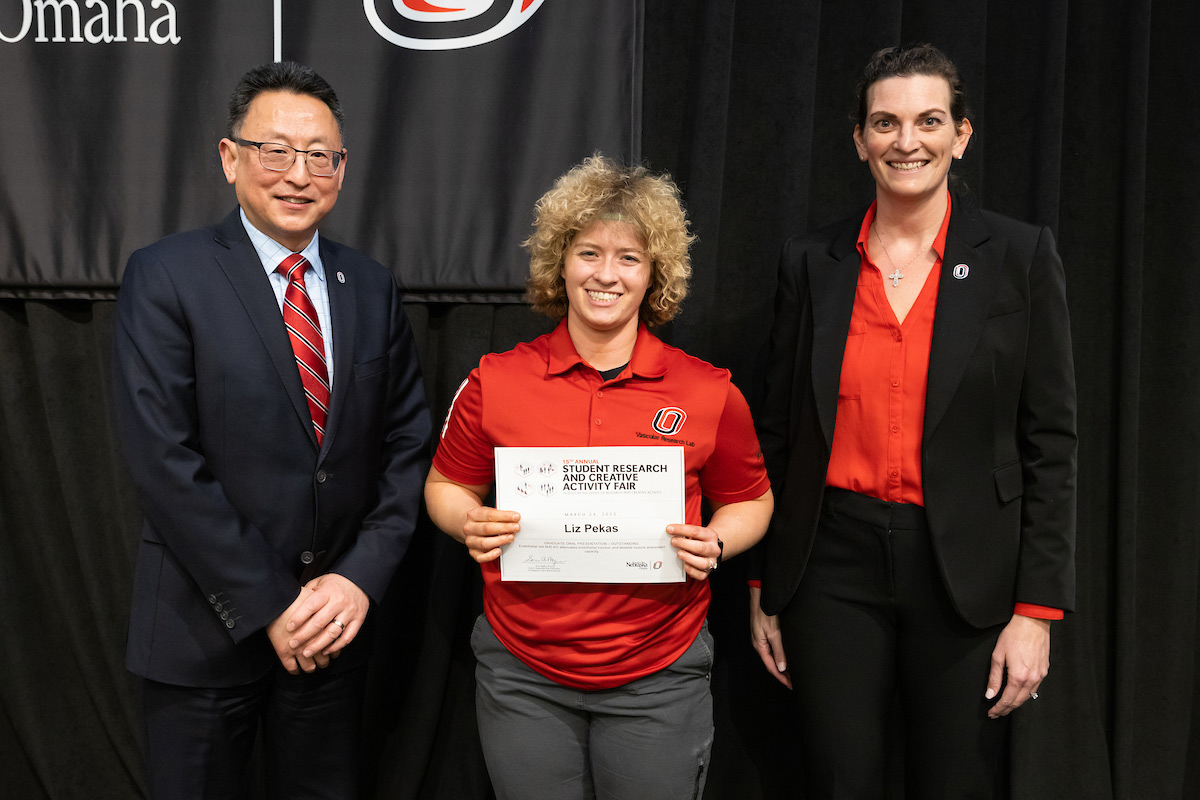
{"points": [[601, 189]]}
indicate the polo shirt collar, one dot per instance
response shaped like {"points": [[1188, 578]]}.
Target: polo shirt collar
{"points": [[647, 361]]}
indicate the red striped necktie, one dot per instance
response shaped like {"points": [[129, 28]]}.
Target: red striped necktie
{"points": [[304, 329]]}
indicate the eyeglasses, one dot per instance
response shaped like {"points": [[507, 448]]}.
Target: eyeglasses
{"points": [[280, 157]]}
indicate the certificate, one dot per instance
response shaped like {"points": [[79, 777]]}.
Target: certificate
{"points": [[591, 514]]}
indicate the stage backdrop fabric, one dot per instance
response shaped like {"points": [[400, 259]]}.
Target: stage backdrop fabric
{"points": [[113, 144]]}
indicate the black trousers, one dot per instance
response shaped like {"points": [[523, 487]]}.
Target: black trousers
{"points": [[885, 671], [199, 741]]}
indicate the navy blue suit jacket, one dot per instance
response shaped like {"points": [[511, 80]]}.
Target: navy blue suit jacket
{"points": [[221, 450], [998, 455]]}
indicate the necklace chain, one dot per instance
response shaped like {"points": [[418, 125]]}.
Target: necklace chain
{"points": [[899, 271]]}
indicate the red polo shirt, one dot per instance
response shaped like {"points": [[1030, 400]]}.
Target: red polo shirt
{"points": [[543, 394], [881, 398]]}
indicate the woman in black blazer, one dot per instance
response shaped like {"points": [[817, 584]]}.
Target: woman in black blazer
{"points": [[919, 428]]}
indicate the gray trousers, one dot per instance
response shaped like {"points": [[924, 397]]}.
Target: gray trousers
{"points": [[646, 740]]}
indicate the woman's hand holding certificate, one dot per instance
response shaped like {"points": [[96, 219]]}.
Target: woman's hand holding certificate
{"points": [[487, 530]]}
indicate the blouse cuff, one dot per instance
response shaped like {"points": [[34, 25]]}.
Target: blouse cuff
{"points": [[1038, 612]]}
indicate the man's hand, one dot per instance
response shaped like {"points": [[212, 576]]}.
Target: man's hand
{"points": [[328, 618], [277, 632], [1023, 652]]}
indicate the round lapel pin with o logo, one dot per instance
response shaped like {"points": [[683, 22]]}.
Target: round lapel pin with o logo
{"points": [[668, 421], [961, 271]]}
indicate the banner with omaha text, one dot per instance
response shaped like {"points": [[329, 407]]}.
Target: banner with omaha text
{"points": [[459, 114]]}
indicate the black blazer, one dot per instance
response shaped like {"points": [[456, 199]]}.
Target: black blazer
{"points": [[998, 453], [221, 449]]}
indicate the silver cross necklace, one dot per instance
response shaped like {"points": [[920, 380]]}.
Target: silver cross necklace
{"points": [[899, 271]]}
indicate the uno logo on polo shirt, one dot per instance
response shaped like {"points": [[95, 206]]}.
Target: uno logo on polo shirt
{"points": [[668, 421]]}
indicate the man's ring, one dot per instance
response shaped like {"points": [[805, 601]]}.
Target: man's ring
{"points": [[340, 625], [1033, 695]]}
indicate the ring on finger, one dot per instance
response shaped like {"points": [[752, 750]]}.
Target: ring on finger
{"points": [[1033, 695], [341, 626], [712, 564]]}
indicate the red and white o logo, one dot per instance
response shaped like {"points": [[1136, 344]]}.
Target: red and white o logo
{"points": [[428, 14], [669, 420]]}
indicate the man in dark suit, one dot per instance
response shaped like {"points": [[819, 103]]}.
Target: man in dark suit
{"points": [[273, 419]]}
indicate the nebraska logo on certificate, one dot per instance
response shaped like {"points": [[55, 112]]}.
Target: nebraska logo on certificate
{"points": [[591, 514]]}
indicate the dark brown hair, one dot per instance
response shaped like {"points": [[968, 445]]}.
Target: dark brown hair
{"points": [[908, 60]]}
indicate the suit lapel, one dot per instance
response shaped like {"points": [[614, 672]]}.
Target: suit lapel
{"points": [[833, 280], [343, 308], [245, 273], [964, 297]]}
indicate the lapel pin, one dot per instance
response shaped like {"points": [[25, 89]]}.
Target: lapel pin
{"points": [[960, 271], [341, 277]]}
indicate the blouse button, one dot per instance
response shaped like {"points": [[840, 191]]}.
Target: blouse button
{"points": [[597, 421], [599, 394]]}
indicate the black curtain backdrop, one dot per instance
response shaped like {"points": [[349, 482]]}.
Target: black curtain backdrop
{"points": [[1085, 116]]}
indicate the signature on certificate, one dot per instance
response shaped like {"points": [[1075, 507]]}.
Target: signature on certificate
{"points": [[545, 560]]}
